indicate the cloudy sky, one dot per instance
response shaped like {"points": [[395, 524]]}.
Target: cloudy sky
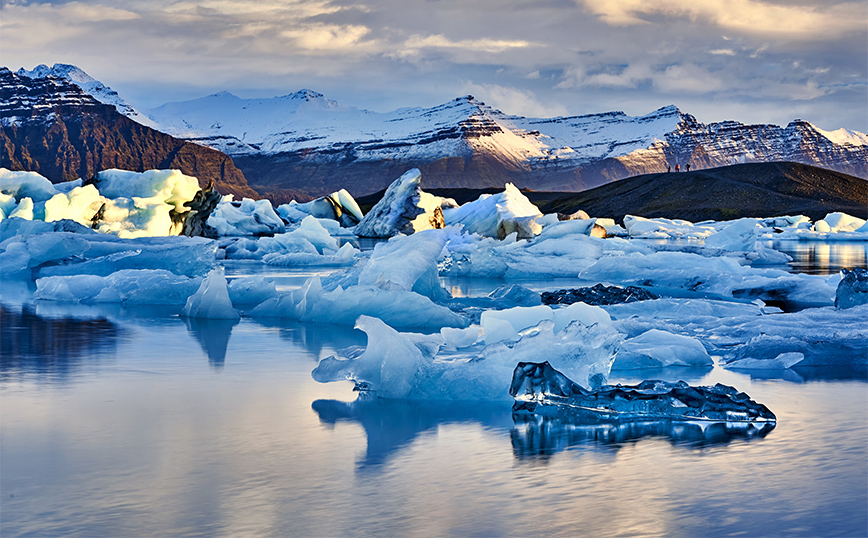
{"points": [[755, 61]]}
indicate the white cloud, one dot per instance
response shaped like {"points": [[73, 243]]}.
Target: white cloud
{"points": [[514, 101], [748, 16]]}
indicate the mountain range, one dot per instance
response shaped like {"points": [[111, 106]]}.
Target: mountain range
{"points": [[302, 144]]}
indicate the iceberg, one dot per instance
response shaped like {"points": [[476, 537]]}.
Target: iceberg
{"points": [[497, 215], [339, 206], [340, 306], [211, 300], [541, 390], [414, 366], [37, 249], [656, 349], [128, 286], [404, 209], [247, 217]]}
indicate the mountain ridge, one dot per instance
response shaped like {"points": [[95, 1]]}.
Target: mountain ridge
{"points": [[51, 126]]}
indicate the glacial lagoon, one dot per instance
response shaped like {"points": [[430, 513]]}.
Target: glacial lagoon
{"points": [[132, 421]]}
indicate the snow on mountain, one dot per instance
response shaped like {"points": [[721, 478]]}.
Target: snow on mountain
{"points": [[306, 119], [95, 88]]}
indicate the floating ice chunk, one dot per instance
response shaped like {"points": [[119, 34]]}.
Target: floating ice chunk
{"points": [[346, 255], [723, 276], [26, 185], [131, 286], [339, 206], [515, 319], [189, 256], [740, 235], [826, 336], [407, 365], [541, 390], [839, 222], [581, 312], [458, 338], [251, 290], [656, 348], [665, 228], [169, 186], [404, 209], [247, 217], [343, 306], [81, 204], [211, 300], [568, 227], [853, 288], [497, 215], [407, 263], [506, 324], [781, 362]]}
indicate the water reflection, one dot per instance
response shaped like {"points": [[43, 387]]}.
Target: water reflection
{"points": [[213, 335], [538, 438], [391, 425], [318, 339], [51, 347], [824, 258]]}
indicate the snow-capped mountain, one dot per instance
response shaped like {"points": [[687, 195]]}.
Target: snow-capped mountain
{"points": [[95, 88], [277, 139]]}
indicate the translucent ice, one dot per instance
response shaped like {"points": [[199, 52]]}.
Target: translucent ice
{"points": [[656, 348], [506, 324], [130, 286], [340, 306], [247, 217], [853, 288], [408, 365], [723, 276], [211, 300], [541, 390], [339, 206]]}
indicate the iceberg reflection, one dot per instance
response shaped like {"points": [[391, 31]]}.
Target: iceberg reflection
{"points": [[536, 437], [53, 348], [391, 425], [213, 335]]}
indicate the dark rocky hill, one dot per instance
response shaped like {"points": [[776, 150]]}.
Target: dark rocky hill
{"points": [[51, 126], [724, 193]]}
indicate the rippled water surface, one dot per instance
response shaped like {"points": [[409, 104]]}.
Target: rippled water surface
{"points": [[135, 422]]}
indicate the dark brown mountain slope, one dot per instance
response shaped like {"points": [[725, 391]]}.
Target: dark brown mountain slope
{"points": [[725, 193], [52, 127]]}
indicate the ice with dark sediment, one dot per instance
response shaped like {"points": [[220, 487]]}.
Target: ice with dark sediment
{"points": [[541, 390], [853, 288]]}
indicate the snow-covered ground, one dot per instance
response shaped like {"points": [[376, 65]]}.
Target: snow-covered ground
{"points": [[111, 242]]}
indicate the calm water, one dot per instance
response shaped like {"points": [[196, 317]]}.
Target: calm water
{"points": [[135, 422]]}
